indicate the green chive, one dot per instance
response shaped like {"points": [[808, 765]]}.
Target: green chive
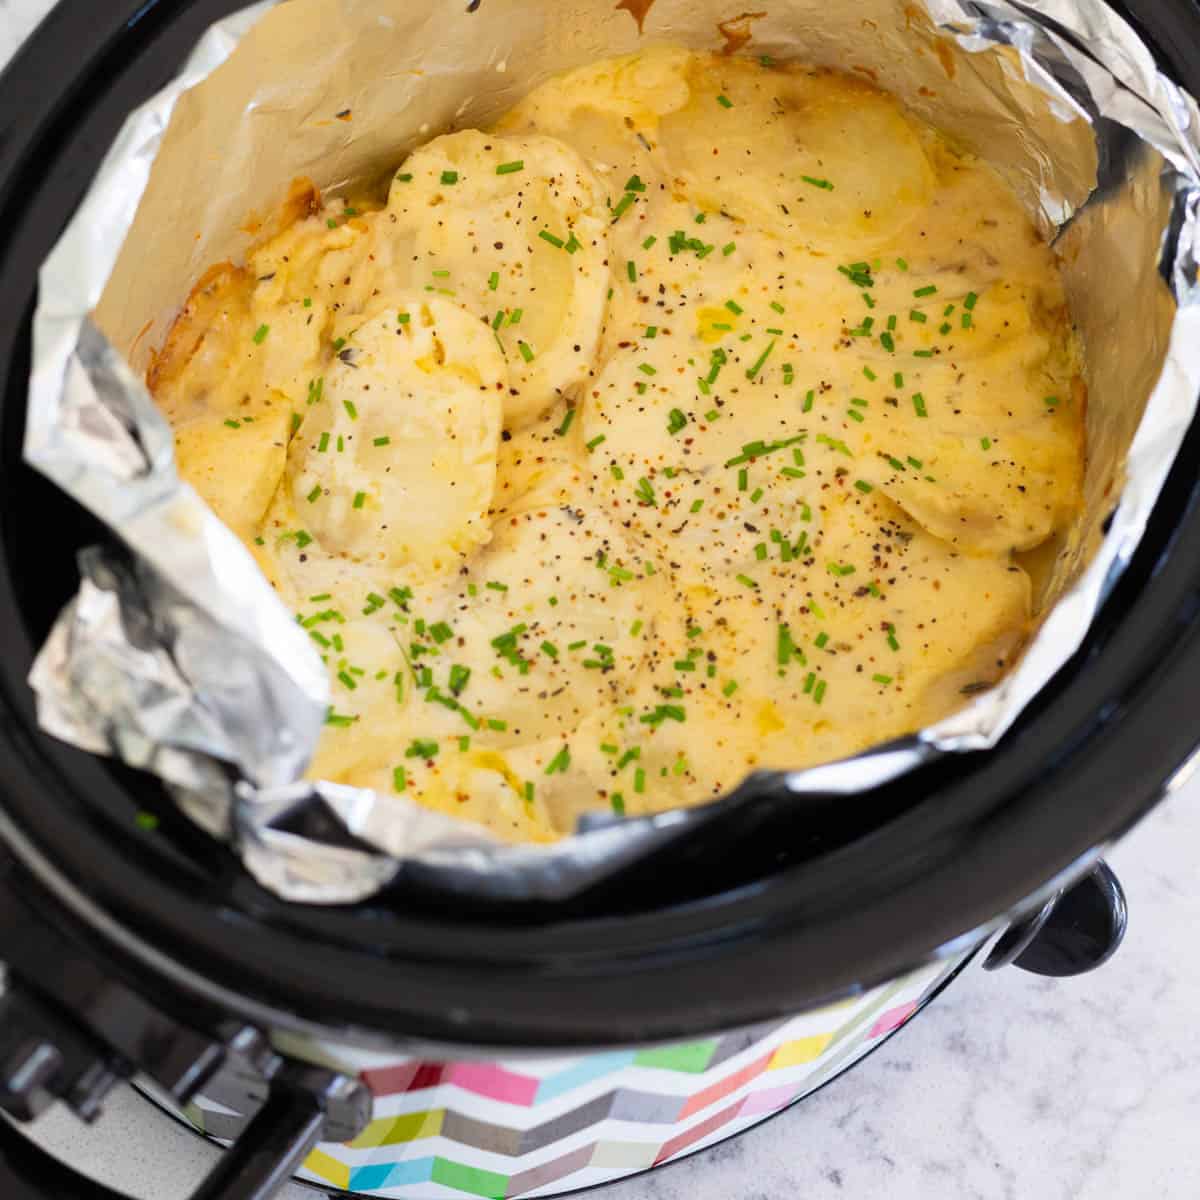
{"points": [[510, 168], [315, 494], [560, 762], [382, 441], [930, 290], [449, 177], [526, 352], [260, 334], [493, 284], [351, 411], [547, 236], [824, 184], [561, 430], [724, 101], [631, 271], [359, 499]]}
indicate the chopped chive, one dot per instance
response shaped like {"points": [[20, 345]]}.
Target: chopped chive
{"points": [[724, 101], [819, 692], [902, 264], [734, 307], [639, 779], [676, 421], [823, 184], [757, 366], [929, 290], [314, 495], [232, 423], [970, 300], [421, 749], [986, 443], [729, 688], [359, 499], [618, 803], [515, 316], [560, 762], [649, 242], [568, 417], [260, 334], [382, 441], [351, 411], [510, 168], [449, 177], [746, 581], [863, 486], [728, 248], [870, 374], [626, 202], [600, 437], [919, 317], [493, 284], [922, 354], [526, 352], [647, 369], [919, 404], [631, 271], [883, 679], [887, 342], [547, 236]]}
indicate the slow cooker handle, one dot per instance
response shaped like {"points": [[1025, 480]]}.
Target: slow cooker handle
{"points": [[263, 1159], [1075, 931]]}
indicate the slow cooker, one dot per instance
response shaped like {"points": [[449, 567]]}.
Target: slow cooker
{"points": [[416, 1046]]}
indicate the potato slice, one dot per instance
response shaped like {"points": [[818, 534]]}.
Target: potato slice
{"points": [[396, 460], [524, 247]]}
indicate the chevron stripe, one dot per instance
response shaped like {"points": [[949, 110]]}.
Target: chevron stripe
{"points": [[541, 1125]]}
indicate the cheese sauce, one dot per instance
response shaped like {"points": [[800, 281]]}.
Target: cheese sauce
{"points": [[687, 423]]}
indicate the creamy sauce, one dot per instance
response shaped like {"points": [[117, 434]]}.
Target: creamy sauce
{"points": [[684, 424]]}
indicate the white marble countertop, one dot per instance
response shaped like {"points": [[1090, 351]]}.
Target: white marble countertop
{"points": [[1009, 1087]]}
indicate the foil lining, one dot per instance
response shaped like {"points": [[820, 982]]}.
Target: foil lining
{"points": [[177, 657]]}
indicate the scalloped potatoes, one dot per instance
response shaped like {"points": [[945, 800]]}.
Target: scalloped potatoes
{"points": [[690, 422]]}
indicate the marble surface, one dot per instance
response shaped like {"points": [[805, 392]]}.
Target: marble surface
{"points": [[1009, 1087]]}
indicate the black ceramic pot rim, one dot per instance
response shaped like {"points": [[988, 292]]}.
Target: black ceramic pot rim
{"points": [[973, 838]]}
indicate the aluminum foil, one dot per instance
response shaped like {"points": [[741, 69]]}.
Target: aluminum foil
{"points": [[177, 657]]}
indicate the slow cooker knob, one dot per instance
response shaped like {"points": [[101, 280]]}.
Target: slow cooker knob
{"points": [[44, 1057]]}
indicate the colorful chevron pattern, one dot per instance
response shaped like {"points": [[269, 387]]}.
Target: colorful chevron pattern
{"points": [[541, 1125]]}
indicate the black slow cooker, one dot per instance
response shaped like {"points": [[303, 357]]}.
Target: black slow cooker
{"points": [[132, 949]]}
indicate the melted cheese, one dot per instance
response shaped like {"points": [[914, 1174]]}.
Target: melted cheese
{"points": [[685, 424]]}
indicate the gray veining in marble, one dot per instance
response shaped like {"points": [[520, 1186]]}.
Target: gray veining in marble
{"points": [[1009, 1088]]}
